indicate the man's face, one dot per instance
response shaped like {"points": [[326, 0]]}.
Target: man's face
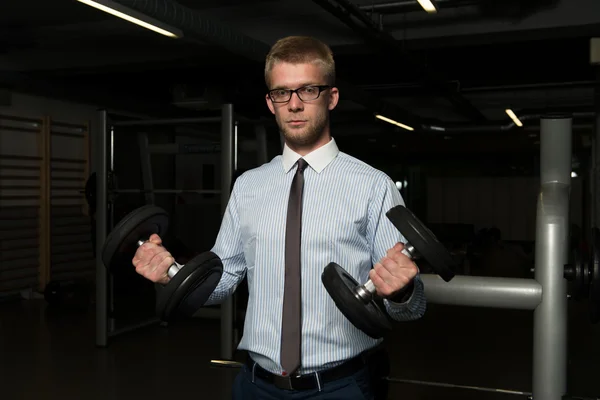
{"points": [[303, 123]]}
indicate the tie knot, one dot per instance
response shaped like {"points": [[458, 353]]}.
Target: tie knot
{"points": [[302, 164]]}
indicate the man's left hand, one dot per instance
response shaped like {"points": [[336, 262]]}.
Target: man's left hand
{"points": [[395, 271]]}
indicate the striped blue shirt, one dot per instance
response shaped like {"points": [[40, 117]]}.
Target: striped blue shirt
{"points": [[343, 221]]}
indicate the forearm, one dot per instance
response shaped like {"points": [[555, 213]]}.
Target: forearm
{"points": [[408, 306]]}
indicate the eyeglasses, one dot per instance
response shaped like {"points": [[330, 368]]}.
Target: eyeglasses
{"points": [[305, 93]]}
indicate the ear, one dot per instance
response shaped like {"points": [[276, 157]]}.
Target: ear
{"points": [[269, 103], [334, 97]]}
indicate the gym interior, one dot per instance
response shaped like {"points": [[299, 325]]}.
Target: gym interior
{"points": [[486, 115]]}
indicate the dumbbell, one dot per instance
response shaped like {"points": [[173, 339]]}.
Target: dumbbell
{"points": [[358, 302], [190, 285]]}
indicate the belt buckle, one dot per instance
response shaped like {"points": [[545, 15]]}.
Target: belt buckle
{"points": [[285, 382]]}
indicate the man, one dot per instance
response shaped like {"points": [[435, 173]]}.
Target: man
{"points": [[343, 206]]}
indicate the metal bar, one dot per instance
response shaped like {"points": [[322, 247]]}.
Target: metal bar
{"points": [[407, 5], [262, 145], [85, 210], [454, 386], [168, 121], [594, 187], [45, 153], [551, 255], [185, 148], [166, 191], [111, 223], [147, 180], [101, 272], [235, 149], [480, 291], [226, 175]]}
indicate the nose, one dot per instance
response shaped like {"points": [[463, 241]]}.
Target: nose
{"points": [[295, 104]]}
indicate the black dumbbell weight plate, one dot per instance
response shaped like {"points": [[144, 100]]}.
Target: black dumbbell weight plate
{"points": [[423, 240], [190, 288], [121, 244], [368, 317]]}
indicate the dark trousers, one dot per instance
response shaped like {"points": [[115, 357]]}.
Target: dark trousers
{"points": [[368, 383]]}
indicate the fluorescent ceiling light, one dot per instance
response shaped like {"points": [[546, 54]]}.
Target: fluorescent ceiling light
{"points": [[391, 121], [130, 15], [512, 116], [428, 6]]}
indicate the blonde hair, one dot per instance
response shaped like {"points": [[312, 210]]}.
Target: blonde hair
{"points": [[301, 50]]}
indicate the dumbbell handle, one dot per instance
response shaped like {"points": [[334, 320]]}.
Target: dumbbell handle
{"points": [[173, 269], [367, 291]]}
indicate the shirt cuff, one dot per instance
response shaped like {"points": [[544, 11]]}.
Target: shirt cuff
{"points": [[409, 305]]}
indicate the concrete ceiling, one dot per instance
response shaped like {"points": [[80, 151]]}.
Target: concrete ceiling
{"points": [[459, 67]]}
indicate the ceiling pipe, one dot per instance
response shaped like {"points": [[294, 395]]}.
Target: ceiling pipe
{"points": [[498, 128], [394, 7], [344, 10], [199, 28]]}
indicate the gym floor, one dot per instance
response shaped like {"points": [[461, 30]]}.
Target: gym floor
{"points": [[47, 355]]}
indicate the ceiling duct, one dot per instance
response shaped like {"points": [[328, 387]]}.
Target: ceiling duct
{"points": [[200, 28], [360, 22]]}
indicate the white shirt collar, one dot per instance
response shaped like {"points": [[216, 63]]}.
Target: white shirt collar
{"points": [[317, 159]]}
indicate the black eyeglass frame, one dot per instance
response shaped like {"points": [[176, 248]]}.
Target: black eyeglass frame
{"points": [[292, 91]]}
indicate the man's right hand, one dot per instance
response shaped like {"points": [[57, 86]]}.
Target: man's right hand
{"points": [[152, 260]]}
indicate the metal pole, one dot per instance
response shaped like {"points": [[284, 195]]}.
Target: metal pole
{"points": [[595, 159], [261, 144], [101, 272], [168, 121], [481, 291], [111, 224], [147, 176], [551, 255], [227, 133]]}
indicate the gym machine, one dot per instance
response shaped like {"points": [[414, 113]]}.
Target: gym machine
{"points": [[105, 328]]}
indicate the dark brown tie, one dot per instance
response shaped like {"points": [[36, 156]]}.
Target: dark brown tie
{"points": [[292, 300]]}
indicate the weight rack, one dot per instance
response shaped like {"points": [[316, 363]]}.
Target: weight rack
{"points": [[105, 157], [546, 294]]}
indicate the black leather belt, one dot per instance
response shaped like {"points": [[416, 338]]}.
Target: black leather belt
{"points": [[310, 381]]}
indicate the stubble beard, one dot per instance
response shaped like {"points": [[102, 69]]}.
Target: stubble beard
{"points": [[307, 135]]}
